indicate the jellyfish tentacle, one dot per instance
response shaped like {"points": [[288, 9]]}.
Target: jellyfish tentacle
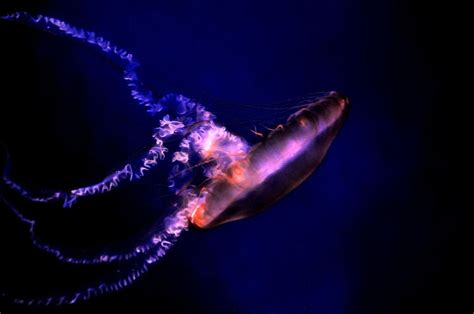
{"points": [[185, 113], [64, 255], [179, 104], [125, 59], [131, 171], [174, 226]]}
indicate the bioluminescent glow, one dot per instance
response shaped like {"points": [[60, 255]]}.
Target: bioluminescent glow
{"points": [[234, 180]]}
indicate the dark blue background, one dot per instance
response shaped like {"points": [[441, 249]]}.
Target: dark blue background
{"points": [[375, 230]]}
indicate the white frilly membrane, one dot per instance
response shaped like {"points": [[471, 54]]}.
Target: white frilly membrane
{"points": [[208, 146]]}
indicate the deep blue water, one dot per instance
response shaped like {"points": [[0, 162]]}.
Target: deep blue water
{"points": [[374, 230]]}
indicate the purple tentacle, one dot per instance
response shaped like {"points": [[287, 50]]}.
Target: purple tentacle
{"points": [[187, 113], [174, 225], [131, 171], [104, 257], [125, 59], [123, 279]]}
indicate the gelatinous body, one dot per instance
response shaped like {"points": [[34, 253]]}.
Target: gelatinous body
{"points": [[216, 176], [275, 166]]}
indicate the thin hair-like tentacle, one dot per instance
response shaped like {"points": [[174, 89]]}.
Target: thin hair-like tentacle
{"points": [[178, 104], [174, 225], [168, 128], [137, 90], [187, 112], [103, 257], [131, 171], [126, 60]]}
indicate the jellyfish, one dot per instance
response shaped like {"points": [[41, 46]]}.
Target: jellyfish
{"points": [[216, 176]]}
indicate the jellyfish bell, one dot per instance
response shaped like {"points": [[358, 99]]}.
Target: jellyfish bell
{"points": [[275, 166]]}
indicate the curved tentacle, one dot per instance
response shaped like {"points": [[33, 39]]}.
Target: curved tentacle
{"points": [[125, 59], [178, 105], [138, 92], [187, 113], [167, 129], [104, 257], [174, 225], [130, 172]]}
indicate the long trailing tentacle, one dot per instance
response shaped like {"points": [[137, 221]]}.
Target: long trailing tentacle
{"points": [[104, 257], [131, 171], [178, 106], [168, 128], [125, 59], [186, 113], [174, 225], [138, 92]]}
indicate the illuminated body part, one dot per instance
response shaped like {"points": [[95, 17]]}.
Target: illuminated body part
{"points": [[239, 180], [274, 167]]}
